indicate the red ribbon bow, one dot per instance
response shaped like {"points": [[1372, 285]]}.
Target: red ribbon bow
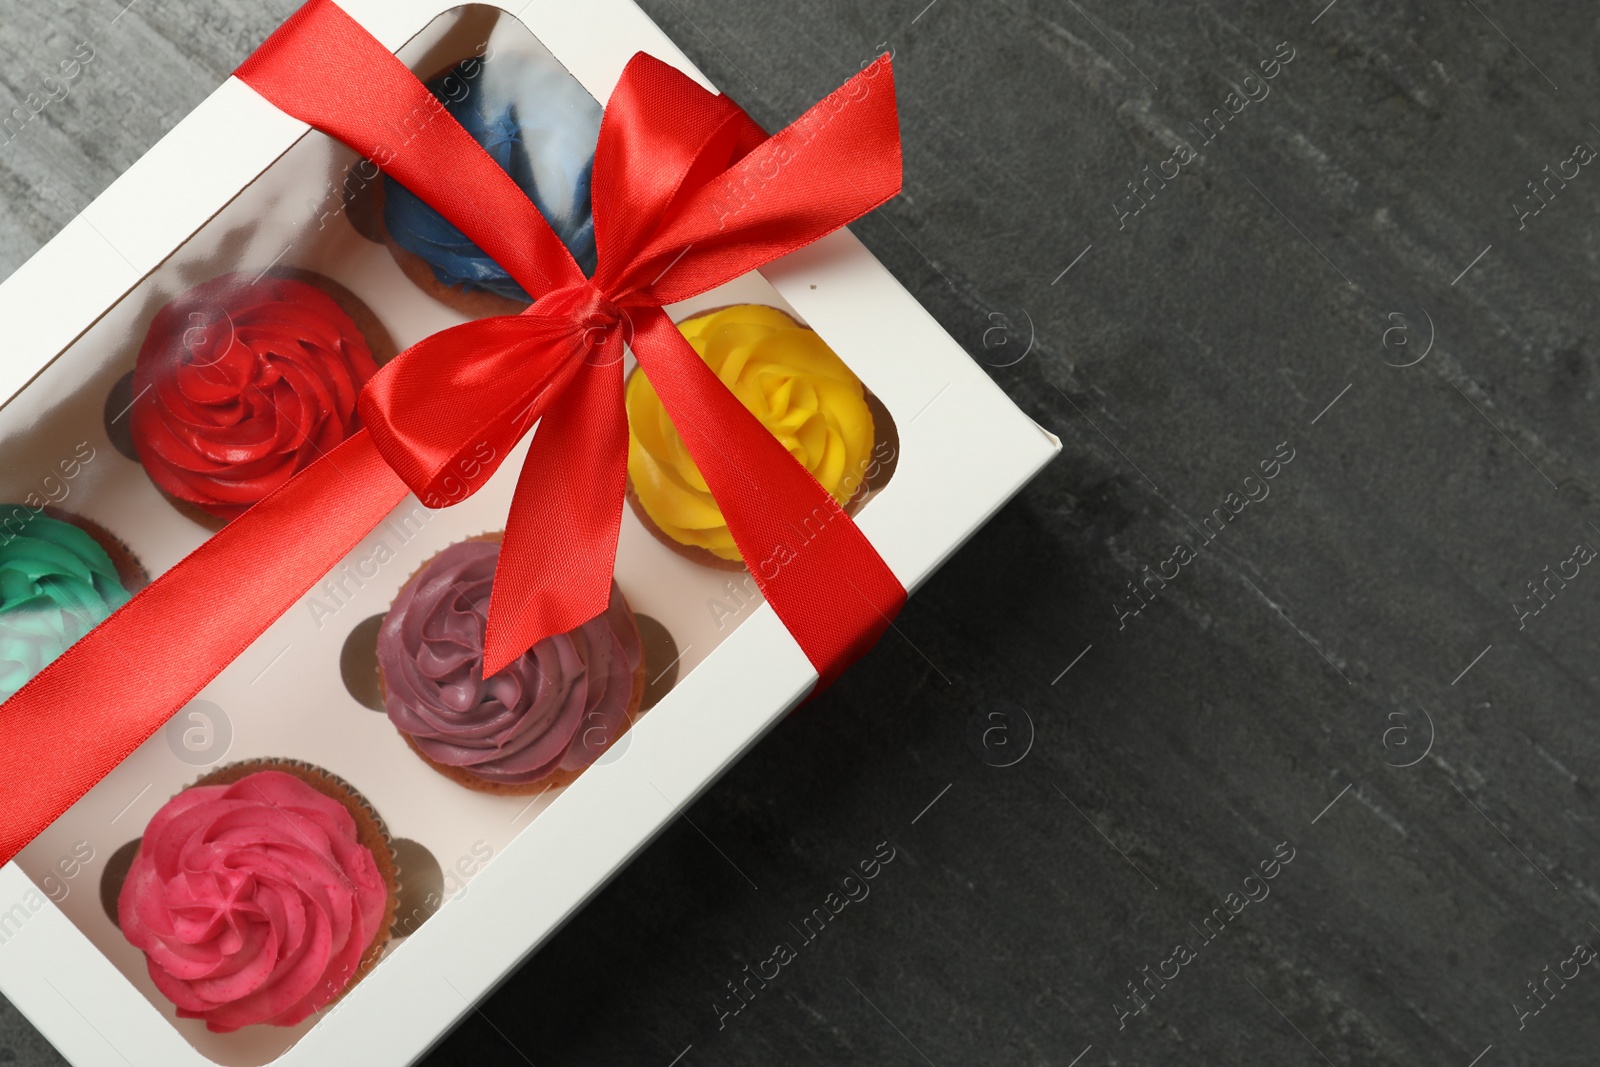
{"points": [[688, 194]]}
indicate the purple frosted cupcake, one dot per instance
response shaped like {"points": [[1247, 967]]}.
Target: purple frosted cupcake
{"points": [[540, 722]]}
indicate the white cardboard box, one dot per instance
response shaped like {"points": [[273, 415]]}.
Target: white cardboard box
{"points": [[225, 182]]}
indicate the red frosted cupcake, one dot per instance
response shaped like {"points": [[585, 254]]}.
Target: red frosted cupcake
{"points": [[243, 381], [260, 894]]}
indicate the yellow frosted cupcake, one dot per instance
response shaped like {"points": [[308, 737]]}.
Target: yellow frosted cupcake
{"points": [[787, 377]]}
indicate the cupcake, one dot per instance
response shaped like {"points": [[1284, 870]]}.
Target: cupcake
{"points": [[260, 894], [60, 577], [540, 126], [551, 713], [788, 378], [242, 382]]}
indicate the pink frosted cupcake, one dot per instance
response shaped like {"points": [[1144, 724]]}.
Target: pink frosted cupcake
{"points": [[260, 894]]}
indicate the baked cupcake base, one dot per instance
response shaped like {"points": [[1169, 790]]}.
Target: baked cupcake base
{"points": [[379, 341], [703, 556], [557, 777], [193, 512], [473, 303]]}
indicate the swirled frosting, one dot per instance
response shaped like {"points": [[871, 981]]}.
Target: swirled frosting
{"points": [[242, 383], [56, 584], [253, 902], [540, 126], [788, 378], [557, 706]]}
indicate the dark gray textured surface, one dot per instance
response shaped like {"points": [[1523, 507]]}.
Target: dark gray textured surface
{"points": [[1319, 640]]}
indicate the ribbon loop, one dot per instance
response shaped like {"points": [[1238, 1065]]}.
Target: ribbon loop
{"points": [[500, 375], [738, 205], [662, 137]]}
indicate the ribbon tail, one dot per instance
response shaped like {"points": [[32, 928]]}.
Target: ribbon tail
{"points": [[835, 163], [86, 712], [819, 572], [447, 411], [560, 545]]}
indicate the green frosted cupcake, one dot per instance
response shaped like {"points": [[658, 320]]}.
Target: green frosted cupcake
{"points": [[60, 576]]}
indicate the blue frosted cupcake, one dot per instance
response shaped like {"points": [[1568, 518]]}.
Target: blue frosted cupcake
{"points": [[60, 577], [540, 126]]}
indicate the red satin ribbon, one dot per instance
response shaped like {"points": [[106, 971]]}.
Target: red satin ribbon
{"points": [[688, 194]]}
